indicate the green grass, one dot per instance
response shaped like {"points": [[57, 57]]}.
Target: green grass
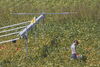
{"points": [[50, 40]]}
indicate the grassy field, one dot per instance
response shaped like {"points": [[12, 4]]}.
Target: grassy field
{"points": [[50, 40]]}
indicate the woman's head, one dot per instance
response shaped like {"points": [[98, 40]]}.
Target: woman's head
{"points": [[76, 42]]}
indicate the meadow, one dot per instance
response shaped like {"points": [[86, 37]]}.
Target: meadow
{"points": [[50, 40]]}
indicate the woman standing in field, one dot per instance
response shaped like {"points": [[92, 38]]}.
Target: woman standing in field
{"points": [[74, 52], [73, 49]]}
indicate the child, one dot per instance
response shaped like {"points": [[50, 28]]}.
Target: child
{"points": [[73, 49]]}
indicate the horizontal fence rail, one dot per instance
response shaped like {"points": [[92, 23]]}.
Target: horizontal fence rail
{"points": [[9, 34], [14, 25], [12, 29], [9, 40], [42, 13]]}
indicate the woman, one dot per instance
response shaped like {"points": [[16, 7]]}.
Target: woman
{"points": [[73, 49]]}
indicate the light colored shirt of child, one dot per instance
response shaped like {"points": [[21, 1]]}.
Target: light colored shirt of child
{"points": [[73, 48]]}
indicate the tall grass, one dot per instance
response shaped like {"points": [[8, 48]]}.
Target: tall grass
{"points": [[49, 41]]}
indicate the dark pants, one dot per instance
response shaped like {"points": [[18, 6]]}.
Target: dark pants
{"points": [[74, 56]]}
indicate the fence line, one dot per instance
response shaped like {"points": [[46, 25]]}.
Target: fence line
{"points": [[12, 29], [9, 34], [9, 40], [42, 13], [14, 25]]}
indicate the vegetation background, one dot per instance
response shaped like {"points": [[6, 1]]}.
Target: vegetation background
{"points": [[50, 40]]}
